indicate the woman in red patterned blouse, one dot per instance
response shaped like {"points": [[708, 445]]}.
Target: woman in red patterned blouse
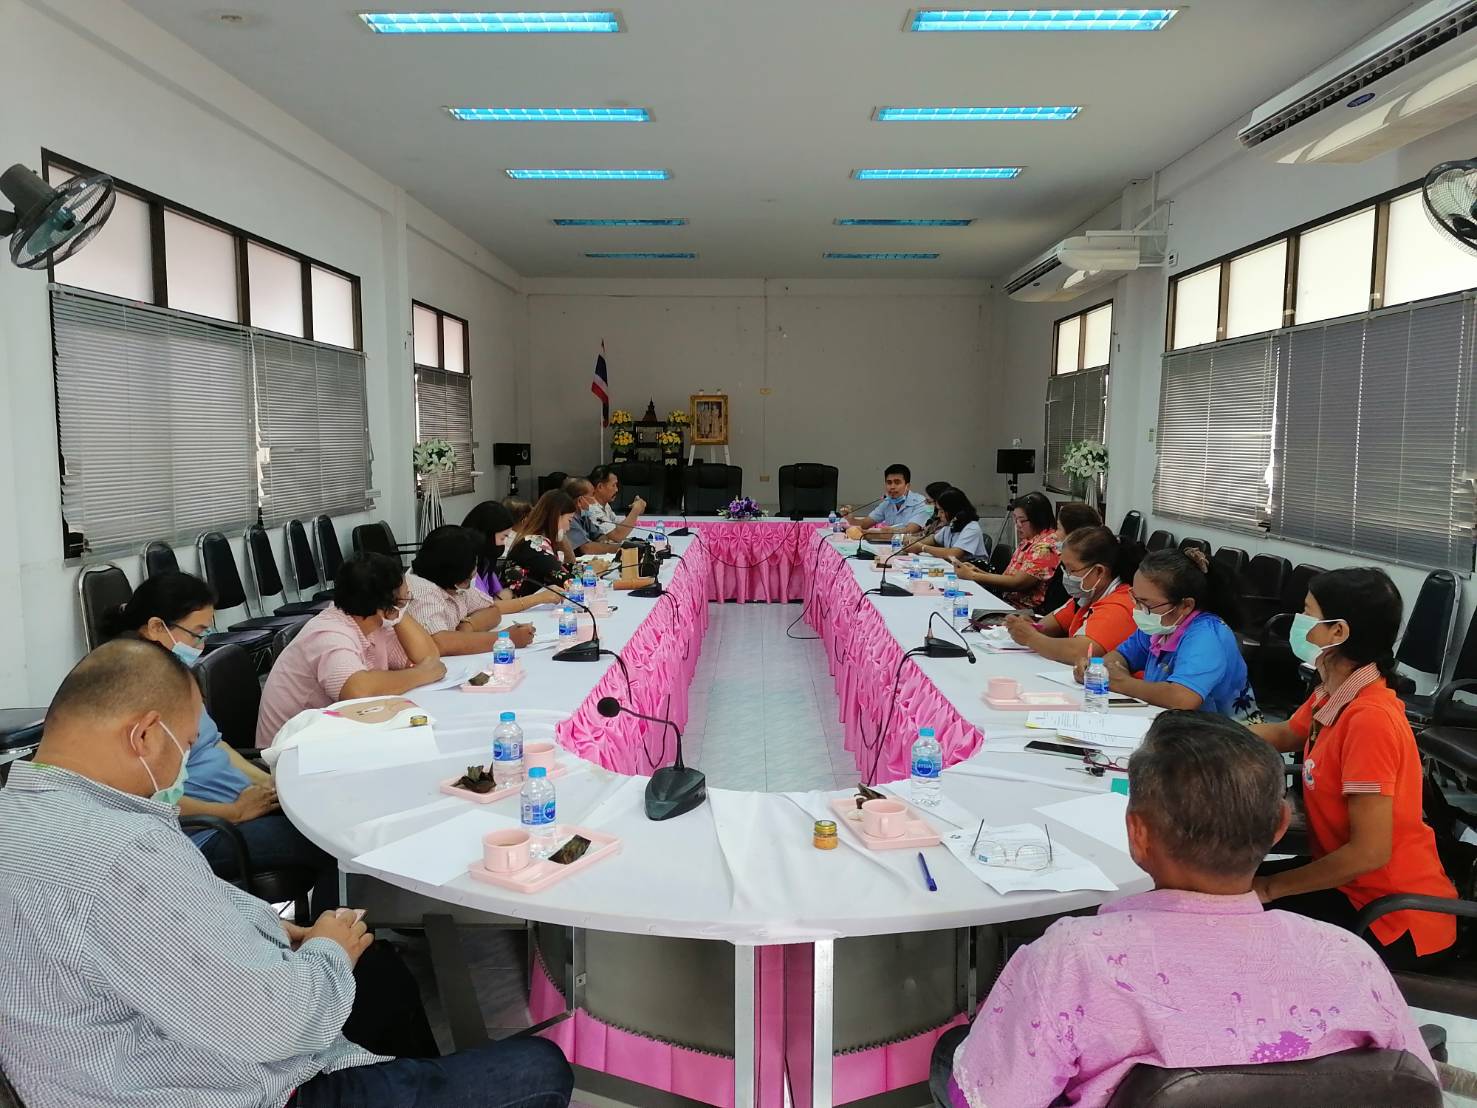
{"points": [[1036, 558]]}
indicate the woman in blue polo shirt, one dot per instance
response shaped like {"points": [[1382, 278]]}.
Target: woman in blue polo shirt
{"points": [[1184, 608]]}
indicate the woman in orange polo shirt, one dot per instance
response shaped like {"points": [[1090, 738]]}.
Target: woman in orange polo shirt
{"points": [[1361, 776], [1096, 572]]}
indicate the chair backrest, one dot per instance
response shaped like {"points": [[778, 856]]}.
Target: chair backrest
{"points": [[551, 481], [641, 479], [218, 564], [1266, 576], [1160, 540], [300, 561], [159, 557], [1231, 560], [1428, 631], [283, 637], [375, 538], [232, 693], [1349, 1079], [1195, 544], [9, 1098], [262, 563], [712, 485], [1000, 558], [1295, 587], [330, 556], [807, 488], [100, 588], [1056, 592], [1466, 659], [1131, 527]]}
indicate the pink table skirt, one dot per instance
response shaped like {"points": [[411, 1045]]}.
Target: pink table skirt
{"points": [[754, 560]]}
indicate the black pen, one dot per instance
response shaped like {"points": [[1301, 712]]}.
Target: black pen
{"points": [[927, 877]]}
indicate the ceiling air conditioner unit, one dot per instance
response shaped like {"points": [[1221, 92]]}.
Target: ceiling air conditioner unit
{"points": [[1076, 266], [1415, 76]]}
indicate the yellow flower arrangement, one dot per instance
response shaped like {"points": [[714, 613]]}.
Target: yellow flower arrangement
{"points": [[670, 439], [679, 417], [622, 440], [621, 417]]}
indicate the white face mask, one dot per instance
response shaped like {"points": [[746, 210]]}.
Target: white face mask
{"points": [[391, 621]]}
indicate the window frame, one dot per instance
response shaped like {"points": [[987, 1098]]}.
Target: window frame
{"points": [[441, 317], [158, 205], [1080, 315], [465, 372], [1054, 374]]}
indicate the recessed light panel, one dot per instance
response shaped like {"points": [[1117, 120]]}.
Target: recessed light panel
{"points": [[903, 222], [552, 115], [888, 256], [589, 174], [1036, 113], [620, 223], [491, 23], [1043, 19], [642, 255], [952, 173]]}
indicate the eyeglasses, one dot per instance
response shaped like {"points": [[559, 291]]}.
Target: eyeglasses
{"points": [[1144, 606], [198, 636], [1099, 764], [1018, 855]]}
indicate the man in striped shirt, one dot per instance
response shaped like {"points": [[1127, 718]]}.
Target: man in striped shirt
{"points": [[133, 976]]}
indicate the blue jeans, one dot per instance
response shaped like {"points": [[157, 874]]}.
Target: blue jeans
{"points": [[516, 1073], [273, 843]]}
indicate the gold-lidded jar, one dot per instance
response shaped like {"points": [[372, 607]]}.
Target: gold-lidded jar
{"points": [[825, 835]]}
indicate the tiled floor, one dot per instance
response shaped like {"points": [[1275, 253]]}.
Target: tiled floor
{"points": [[763, 710]]}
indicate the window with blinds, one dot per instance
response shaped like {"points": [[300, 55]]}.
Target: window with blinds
{"points": [[1075, 410], [1215, 433], [171, 424], [443, 410]]}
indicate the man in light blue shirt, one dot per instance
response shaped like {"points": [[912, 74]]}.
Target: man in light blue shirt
{"points": [[901, 510]]}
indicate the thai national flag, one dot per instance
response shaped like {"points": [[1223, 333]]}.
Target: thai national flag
{"points": [[600, 386]]}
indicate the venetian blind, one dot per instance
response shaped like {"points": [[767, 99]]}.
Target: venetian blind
{"points": [[1075, 405], [443, 410]]}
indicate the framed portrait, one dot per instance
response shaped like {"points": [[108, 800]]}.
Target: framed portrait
{"points": [[710, 420]]}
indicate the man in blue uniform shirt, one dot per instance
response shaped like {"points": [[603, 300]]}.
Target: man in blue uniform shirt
{"points": [[901, 510]]}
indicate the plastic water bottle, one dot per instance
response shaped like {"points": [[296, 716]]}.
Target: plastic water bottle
{"points": [[897, 542], [590, 583], [537, 812], [959, 607], [915, 573], [568, 623], [575, 590], [659, 536], [503, 659], [507, 750], [832, 520], [1095, 688], [928, 763]]}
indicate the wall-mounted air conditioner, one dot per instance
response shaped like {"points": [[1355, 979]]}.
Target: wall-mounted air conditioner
{"points": [[1076, 266], [1413, 77]]}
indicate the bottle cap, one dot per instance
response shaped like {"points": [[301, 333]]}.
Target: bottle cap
{"points": [[502, 634], [925, 731], [507, 717], [1097, 662], [538, 771]]}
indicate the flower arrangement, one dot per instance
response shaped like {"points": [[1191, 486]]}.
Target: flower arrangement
{"points": [[434, 456], [623, 440], [621, 418], [742, 508], [670, 440], [679, 417], [1085, 459]]}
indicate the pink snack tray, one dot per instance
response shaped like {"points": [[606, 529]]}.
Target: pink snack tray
{"points": [[538, 876], [450, 789], [1034, 702], [920, 832]]}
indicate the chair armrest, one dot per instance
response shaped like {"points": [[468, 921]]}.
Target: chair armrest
{"points": [[232, 835], [1402, 902], [1278, 627], [1442, 704]]}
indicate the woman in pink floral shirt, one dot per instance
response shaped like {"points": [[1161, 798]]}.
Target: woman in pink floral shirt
{"points": [[1035, 560]]}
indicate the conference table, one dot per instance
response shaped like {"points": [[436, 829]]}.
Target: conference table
{"points": [[841, 968]]}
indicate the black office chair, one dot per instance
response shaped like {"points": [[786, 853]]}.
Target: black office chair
{"points": [[1462, 681], [1450, 986], [283, 638], [302, 566], [1195, 544], [1231, 560], [1160, 540], [1131, 527], [1056, 594], [807, 489], [1278, 676], [100, 588], [263, 566], [330, 556], [1427, 635], [218, 564], [644, 479], [20, 732], [158, 557], [9, 1098], [711, 486], [377, 538], [1264, 588], [1000, 558], [232, 694], [551, 481], [275, 886]]}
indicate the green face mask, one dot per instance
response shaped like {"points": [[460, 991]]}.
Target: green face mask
{"points": [[172, 794]]}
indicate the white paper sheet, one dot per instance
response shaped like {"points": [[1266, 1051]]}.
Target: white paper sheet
{"points": [[438, 854], [1120, 732], [1067, 873], [1100, 816], [359, 751]]}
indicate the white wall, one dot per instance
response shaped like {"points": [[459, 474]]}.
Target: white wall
{"points": [[122, 95], [860, 373]]}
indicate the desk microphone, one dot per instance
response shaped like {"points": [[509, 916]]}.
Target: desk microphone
{"points": [[588, 651], [885, 589], [862, 553], [938, 648], [673, 789]]}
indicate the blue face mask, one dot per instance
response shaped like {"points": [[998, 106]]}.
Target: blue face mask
{"points": [[172, 794], [897, 501], [184, 651]]}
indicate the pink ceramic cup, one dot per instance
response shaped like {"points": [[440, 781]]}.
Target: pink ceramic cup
{"points": [[538, 754], [1005, 688], [505, 851], [884, 819]]}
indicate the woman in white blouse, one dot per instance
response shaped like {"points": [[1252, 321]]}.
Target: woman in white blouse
{"points": [[959, 536]]}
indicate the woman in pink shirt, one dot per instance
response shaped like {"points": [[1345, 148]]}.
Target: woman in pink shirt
{"points": [[460, 617], [1193, 974]]}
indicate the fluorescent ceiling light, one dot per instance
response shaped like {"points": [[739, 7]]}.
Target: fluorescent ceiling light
{"points": [[894, 256], [1043, 19], [589, 174], [643, 255], [620, 223], [977, 115], [491, 23], [903, 222], [956, 173], [552, 115]]}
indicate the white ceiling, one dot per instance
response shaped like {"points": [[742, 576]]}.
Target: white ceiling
{"points": [[761, 110]]}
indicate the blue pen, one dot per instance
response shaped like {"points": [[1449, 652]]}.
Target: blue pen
{"points": [[927, 877]]}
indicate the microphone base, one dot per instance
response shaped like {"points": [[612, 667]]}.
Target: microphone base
{"points": [[942, 648], [680, 533], [887, 588], [588, 651], [863, 555], [672, 791], [650, 592]]}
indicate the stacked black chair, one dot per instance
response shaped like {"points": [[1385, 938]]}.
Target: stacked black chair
{"points": [[302, 565], [104, 586], [1131, 527], [644, 479], [263, 565], [1280, 680], [1231, 560], [330, 556], [1160, 540], [807, 489], [283, 638], [218, 564], [158, 557], [1195, 544], [551, 481], [1428, 631], [1462, 680], [1263, 589], [377, 538], [710, 486]]}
